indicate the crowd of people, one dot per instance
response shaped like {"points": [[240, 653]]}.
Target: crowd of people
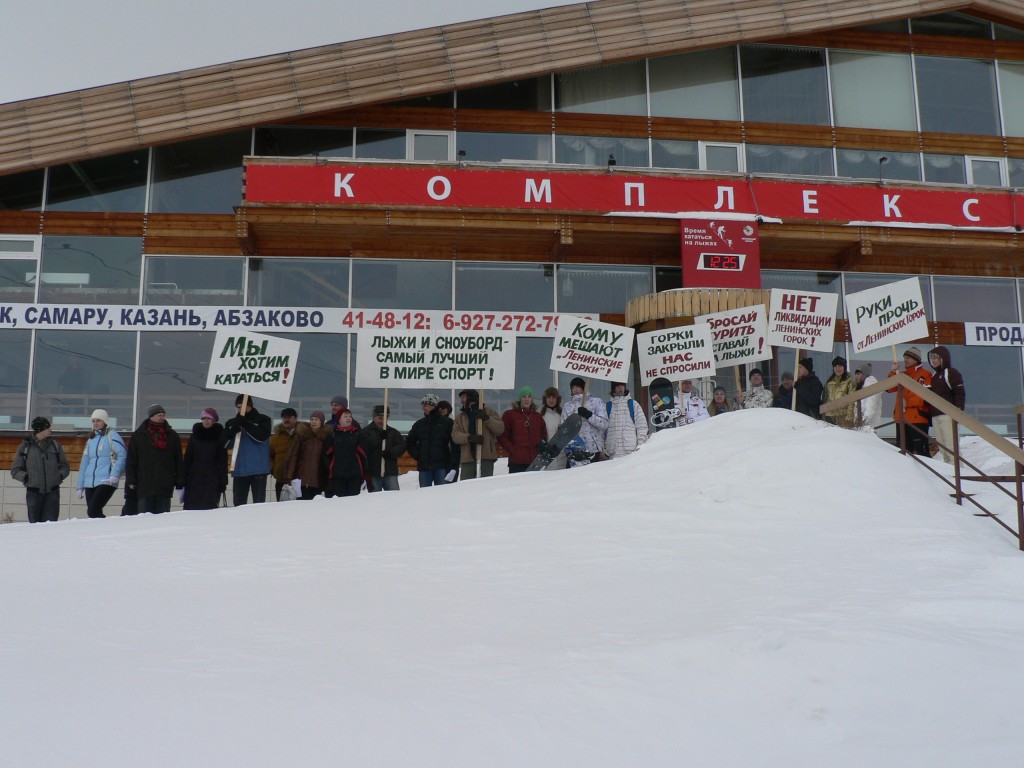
{"points": [[337, 457]]}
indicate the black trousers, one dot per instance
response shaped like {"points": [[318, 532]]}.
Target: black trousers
{"points": [[43, 507], [96, 499], [916, 441]]}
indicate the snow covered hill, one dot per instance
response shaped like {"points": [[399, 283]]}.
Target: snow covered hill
{"points": [[756, 590]]}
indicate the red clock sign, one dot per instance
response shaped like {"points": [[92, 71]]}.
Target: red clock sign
{"points": [[720, 254]]}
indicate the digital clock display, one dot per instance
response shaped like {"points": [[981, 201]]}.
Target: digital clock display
{"points": [[727, 262]]}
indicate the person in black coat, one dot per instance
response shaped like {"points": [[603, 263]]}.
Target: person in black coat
{"points": [[155, 467], [428, 442], [206, 463], [345, 456], [808, 389], [784, 397]]}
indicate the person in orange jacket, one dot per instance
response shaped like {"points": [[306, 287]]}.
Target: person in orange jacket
{"points": [[915, 410]]}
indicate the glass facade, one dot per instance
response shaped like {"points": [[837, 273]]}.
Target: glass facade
{"points": [[67, 374]]}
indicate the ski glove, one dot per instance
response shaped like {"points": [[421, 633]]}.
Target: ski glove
{"points": [[476, 439], [586, 413], [81, 493]]}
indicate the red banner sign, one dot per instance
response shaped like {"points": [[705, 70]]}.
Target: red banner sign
{"points": [[629, 194], [720, 254]]}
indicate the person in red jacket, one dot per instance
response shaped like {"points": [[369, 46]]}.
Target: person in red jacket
{"points": [[524, 430], [915, 410], [948, 384]]}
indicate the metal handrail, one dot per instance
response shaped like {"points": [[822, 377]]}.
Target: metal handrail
{"points": [[900, 381]]}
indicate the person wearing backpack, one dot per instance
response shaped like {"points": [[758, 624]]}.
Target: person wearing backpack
{"points": [[627, 424]]}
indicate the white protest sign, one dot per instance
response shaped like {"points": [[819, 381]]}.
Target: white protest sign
{"points": [[739, 335], [402, 359], [802, 319], [676, 353], [994, 334], [592, 349], [254, 364], [887, 315]]}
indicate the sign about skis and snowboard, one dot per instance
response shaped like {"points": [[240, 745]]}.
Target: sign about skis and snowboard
{"points": [[887, 315], [739, 335], [684, 352], [254, 364], [802, 319], [592, 349], [403, 359]]}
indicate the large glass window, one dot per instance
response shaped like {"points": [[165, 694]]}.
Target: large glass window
{"points": [[280, 141], [516, 287], [172, 371], [22, 191], [377, 144], [201, 176], [1015, 167], [291, 282], [496, 147], [700, 85], [782, 84], [617, 89], [17, 280], [797, 161], [670, 153], [533, 360], [532, 95], [873, 90], [601, 289], [322, 373], [601, 151], [193, 281], [957, 95], [879, 164], [945, 169], [90, 270], [951, 25], [15, 348], [401, 284], [979, 300], [115, 183], [79, 371], [1011, 87]]}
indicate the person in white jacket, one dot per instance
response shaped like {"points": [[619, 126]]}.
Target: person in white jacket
{"points": [[869, 410], [627, 424], [691, 407], [592, 409]]}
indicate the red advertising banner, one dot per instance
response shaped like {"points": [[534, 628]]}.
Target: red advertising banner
{"points": [[720, 254], [630, 194]]}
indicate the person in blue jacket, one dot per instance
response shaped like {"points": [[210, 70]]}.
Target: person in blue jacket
{"points": [[252, 464], [103, 462]]}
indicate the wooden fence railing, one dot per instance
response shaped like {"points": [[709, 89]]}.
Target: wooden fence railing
{"points": [[960, 419]]}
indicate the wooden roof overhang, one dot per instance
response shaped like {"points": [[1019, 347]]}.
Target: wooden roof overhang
{"points": [[199, 102], [568, 238]]}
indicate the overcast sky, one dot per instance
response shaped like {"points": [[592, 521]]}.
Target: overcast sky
{"points": [[53, 46]]}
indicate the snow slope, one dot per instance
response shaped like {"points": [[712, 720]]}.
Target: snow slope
{"points": [[755, 590]]}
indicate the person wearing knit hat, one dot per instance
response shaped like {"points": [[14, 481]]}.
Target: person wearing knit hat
{"points": [[808, 389], [912, 431], [476, 431], [384, 447], [252, 453], [524, 432], [594, 414], [627, 423], [103, 462], [155, 466], [757, 396], [206, 463], [339, 403], [40, 465], [429, 442], [840, 384]]}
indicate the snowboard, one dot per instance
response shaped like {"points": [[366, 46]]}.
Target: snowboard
{"points": [[664, 409], [563, 435]]}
